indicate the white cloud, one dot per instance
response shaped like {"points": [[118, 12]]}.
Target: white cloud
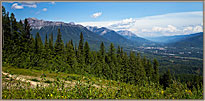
{"points": [[29, 4], [16, 6], [145, 30], [44, 9], [187, 30], [95, 15], [157, 29], [21, 5], [166, 24], [198, 29], [169, 28]]}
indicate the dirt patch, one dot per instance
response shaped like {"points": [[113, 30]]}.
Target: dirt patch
{"points": [[28, 79]]}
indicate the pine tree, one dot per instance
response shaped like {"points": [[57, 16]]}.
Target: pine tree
{"points": [[46, 43], [125, 68], [33, 44], [15, 35], [132, 68], [118, 52], [26, 37], [102, 52], [76, 50], [71, 42], [71, 58], [121, 52], [81, 42], [156, 71], [51, 41], [111, 53], [6, 31], [27, 29], [87, 54], [166, 79], [149, 70], [80, 53], [14, 30], [59, 45], [38, 44], [47, 51], [140, 73]]}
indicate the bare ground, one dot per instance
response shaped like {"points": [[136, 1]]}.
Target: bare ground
{"points": [[33, 84]]}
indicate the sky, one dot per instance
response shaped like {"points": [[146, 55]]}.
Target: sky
{"points": [[145, 19]]}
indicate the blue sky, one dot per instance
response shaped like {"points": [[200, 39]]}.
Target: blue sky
{"points": [[109, 14]]}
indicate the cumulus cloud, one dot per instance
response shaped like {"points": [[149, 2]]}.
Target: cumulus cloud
{"points": [[44, 9], [158, 25], [169, 28], [16, 6], [95, 15], [198, 29], [187, 30], [21, 5], [29, 4]]}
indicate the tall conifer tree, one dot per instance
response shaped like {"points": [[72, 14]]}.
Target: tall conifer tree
{"points": [[51, 41], [59, 45]]}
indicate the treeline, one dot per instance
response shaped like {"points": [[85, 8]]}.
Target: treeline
{"points": [[22, 50]]}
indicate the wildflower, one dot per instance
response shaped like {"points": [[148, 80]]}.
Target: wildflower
{"points": [[48, 94], [51, 95], [129, 94], [62, 96], [185, 90], [190, 91], [162, 92], [173, 98]]}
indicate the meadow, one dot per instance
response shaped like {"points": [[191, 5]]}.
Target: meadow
{"points": [[86, 87]]}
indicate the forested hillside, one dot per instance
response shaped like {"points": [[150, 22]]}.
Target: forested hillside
{"points": [[71, 32], [193, 40]]}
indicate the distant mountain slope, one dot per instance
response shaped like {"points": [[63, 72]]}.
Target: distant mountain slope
{"points": [[166, 39], [126, 34], [192, 40], [134, 38], [111, 35], [169, 39]]}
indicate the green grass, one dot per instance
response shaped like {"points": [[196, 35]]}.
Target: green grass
{"points": [[69, 77], [84, 89]]}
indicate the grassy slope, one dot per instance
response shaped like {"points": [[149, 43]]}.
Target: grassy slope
{"points": [[83, 88]]}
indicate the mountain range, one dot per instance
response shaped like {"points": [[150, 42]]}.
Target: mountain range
{"points": [[136, 39], [95, 35], [111, 35], [72, 31], [191, 40]]}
